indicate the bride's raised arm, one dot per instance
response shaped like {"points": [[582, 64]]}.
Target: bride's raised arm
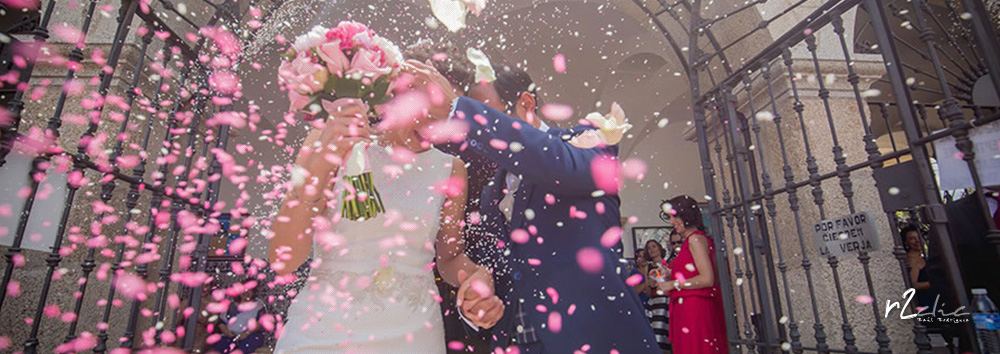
{"points": [[293, 227], [450, 244]]}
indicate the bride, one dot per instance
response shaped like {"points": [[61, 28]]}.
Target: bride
{"points": [[371, 287]]}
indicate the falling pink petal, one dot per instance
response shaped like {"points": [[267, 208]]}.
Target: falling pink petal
{"points": [[68, 33], [234, 119], [225, 82], [131, 286], [498, 144], [534, 262], [634, 280], [236, 247], [66, 317], [404, 110], [164, 350], [864, 299], [611, 236], [481, 288], [590, 260], [456, 345], [634, 168], [14, 288], [555, 322], [553, 294], [519, 236], [550, 199], [21, 4], [128, 161], [85, 342], [51, 311], [559, 63], [557, 112], [447, 131], [605, 171]]}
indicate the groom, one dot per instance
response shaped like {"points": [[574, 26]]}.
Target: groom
{"points": [[545, 202]]}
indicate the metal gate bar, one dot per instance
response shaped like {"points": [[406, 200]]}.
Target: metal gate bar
{"points": [[164, 190]]}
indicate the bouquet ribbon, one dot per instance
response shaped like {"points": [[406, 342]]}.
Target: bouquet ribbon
{"points": [[361, 199]]}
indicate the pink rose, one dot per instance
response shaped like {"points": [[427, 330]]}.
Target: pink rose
{"points": [[303, 75], [297, 102], [345, 32], [364, 40], [334, 57], [368, 63]]}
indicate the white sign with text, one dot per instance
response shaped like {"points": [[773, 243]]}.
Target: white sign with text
{"points": [[847, 234]]}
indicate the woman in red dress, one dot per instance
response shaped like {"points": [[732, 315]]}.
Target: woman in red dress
{"points": [[697, 325]]}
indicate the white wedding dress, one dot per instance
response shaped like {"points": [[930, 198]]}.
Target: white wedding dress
{"points": [[371, 288]]}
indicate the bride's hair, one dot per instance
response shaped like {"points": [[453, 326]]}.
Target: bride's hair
{"points": [[455, 66]]}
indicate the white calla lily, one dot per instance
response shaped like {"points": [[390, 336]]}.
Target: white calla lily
{"points": [[451, 13], [613, 125], [484, 69]]}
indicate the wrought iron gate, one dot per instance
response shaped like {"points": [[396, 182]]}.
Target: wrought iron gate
{"points": [[801, 115], [170, 111]]}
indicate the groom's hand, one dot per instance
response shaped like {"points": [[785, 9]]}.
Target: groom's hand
{"points": [[476, 299], [484, 312], [426, 78]]}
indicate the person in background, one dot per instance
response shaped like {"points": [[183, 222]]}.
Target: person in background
{"points": [[240, 325], [697, 324], [659, 303], [914, 246], [642, 269]]}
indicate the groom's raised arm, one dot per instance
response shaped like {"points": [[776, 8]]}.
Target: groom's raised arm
{"points": [[512, 144]]}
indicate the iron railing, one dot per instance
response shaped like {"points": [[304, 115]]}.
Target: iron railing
{"points": [[771, 116], [151, 244]]}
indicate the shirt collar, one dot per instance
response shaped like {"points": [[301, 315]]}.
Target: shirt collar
{"points": [[544, 127]]}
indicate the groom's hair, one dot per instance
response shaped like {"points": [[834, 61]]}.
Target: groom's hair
{"points": [[511, 82], [455, 65]]}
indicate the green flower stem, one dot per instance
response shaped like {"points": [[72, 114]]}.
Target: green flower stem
{"points": [[353, 207]]}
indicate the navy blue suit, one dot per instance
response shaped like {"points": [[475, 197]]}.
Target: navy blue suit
{"points": [[606, 312]]}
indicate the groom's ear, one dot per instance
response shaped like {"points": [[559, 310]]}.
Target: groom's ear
{"points": [[527, 102]]}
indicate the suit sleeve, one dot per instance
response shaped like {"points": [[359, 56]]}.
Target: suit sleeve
{"points": [[541, 157]]}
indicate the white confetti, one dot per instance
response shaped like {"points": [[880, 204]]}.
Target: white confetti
{"points": [[871, 93]]}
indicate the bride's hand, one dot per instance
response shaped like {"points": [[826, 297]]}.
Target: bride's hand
{"points": [[476, 298], [325, 149]]}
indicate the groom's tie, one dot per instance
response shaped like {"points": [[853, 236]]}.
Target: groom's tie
{"points": [[507, 203]]}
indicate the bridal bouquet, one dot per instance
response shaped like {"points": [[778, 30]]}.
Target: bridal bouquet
{"points": [[347, 61]]}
